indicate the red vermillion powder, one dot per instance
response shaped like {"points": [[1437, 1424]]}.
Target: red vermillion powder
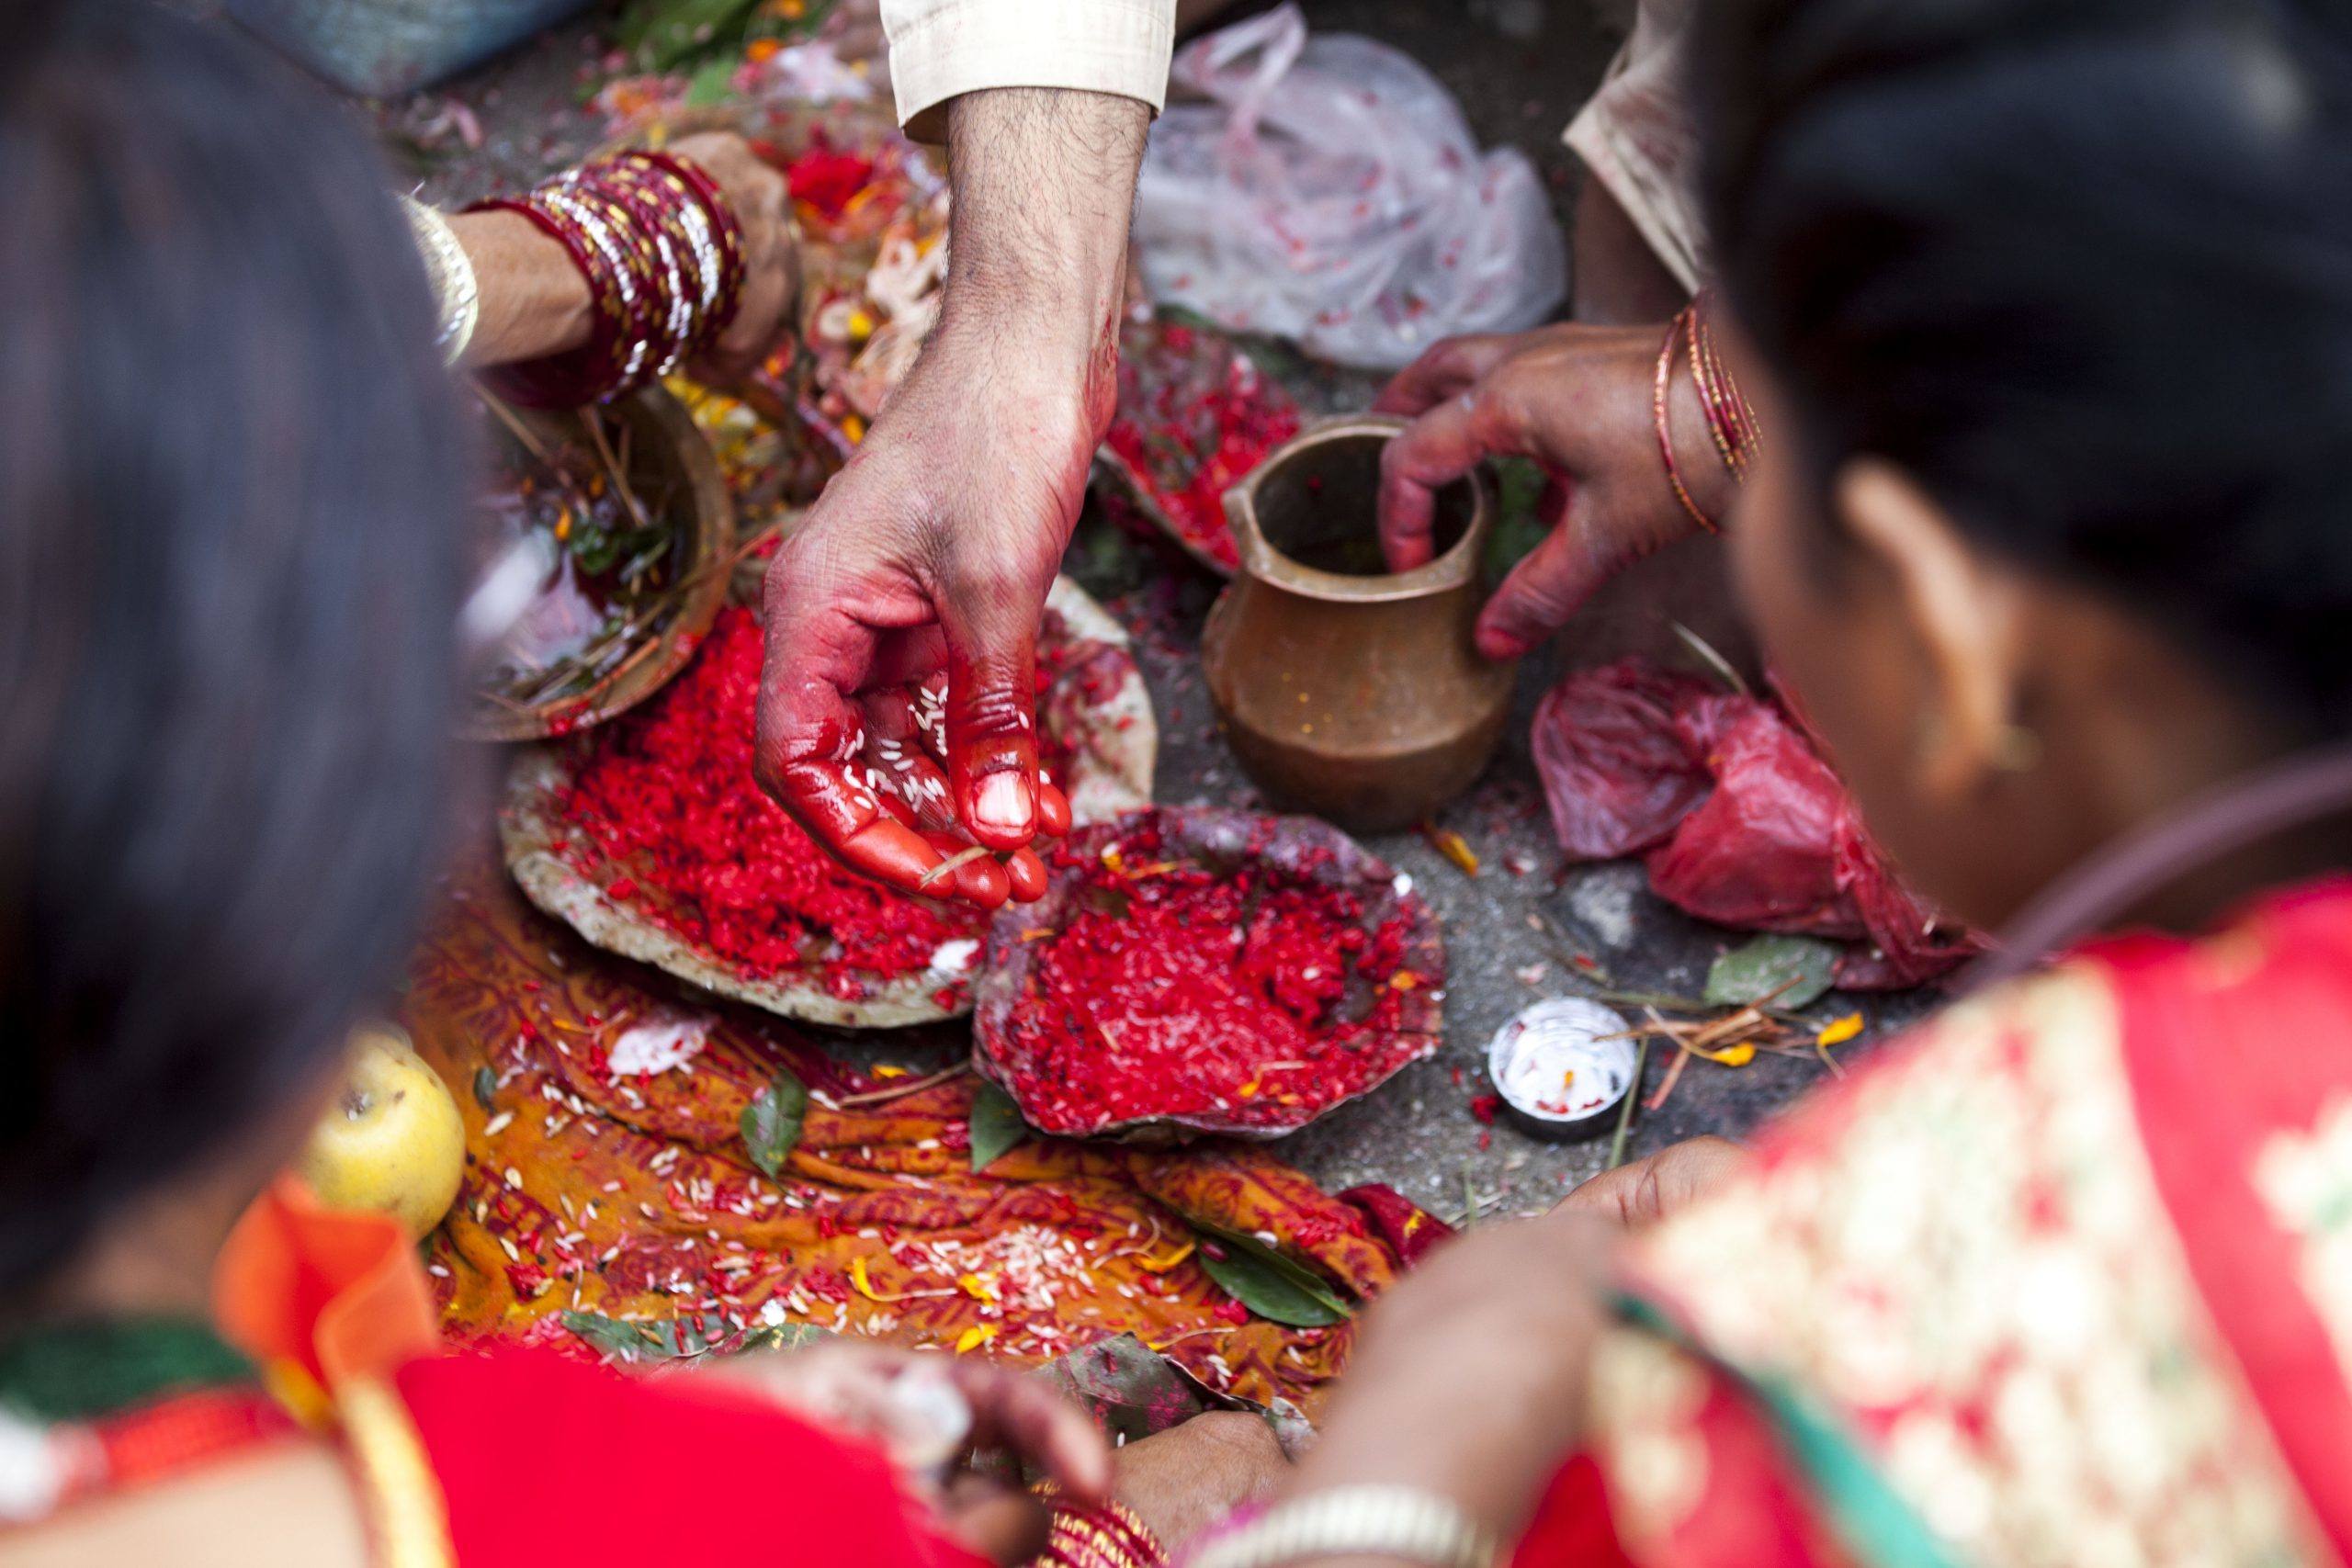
{"points": [[826, 180], [1255, 996], [666, 791]]}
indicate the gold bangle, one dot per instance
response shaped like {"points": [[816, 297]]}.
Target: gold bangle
{"points": [[1665, 428]]}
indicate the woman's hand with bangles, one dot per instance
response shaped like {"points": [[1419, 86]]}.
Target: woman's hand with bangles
{"points": [[930, 1413], [1580, 401], [762, 203], [1468, 1379], [535, 302]]}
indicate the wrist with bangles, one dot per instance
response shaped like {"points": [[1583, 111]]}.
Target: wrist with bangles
{"points": [[1730, 421], [1403, 1523], [662, 255]]}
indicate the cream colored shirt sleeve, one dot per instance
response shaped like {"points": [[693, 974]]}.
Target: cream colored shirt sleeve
{"points": [[940, 49]]}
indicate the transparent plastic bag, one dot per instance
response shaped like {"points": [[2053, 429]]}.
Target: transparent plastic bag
{"points": [[1330, 192]]}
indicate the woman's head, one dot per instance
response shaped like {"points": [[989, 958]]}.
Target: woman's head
{"points": [[229, 482], [2055, 306]]}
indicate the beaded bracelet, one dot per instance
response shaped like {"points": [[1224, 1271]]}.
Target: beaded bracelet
{"points": [[662, 255], [1666, 355], [1108, 1537]]}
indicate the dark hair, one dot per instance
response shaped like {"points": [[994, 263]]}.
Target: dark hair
{"points": [[231, 482], [2083, 267]]}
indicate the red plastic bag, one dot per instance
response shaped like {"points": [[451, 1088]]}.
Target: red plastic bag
{"points": [[1744, 824], [1617, 772]]}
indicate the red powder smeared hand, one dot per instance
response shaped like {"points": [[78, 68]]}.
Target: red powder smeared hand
{"points": [[667, 791]]}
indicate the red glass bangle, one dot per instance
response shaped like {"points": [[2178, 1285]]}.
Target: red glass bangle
{"points": [[569, 378], [1726, 446], [705, 230], [665, 320], [663, 254], [688, 276], [1109, 1537], [727, 232]]}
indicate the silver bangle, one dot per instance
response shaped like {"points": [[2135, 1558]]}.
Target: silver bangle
{"points": [[452, 274], [1355, 1521]]}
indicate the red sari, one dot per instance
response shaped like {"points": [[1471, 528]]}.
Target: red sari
{"points": [[523, 1456], [2066, 1279]]}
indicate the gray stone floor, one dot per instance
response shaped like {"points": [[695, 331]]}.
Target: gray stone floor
{"points": [[1520, 67]]}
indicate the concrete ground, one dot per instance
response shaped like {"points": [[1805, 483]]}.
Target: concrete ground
{"points": [[1520, 67]]}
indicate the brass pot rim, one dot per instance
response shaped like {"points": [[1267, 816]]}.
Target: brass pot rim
{"points": [[1261, 561]]}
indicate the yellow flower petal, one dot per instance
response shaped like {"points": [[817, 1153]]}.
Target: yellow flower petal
{"points": [[974, 1338], [1161, 1264], [1839, 1031]]}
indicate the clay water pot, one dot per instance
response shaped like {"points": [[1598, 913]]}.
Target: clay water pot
{"points": [[1347, 690]]}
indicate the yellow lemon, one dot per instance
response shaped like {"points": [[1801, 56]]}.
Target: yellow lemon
{"points": [[392, 1140]]}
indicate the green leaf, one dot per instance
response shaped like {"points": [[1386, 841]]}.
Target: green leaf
{"points": [[684, 1338], [613, 1339], [711, 85], [635, 1344], [771, 1122], [485, 1088], [784, 1337], [1272, 1286], [1132, 1392], [593, 549], [666, 34], [1789, 971], [996, 1125], [1520, 525]]}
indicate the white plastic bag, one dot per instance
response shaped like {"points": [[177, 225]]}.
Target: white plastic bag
{"points": [[1331, 192]]}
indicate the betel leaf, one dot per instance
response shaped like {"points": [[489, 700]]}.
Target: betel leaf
{"points": [[644, 1342], [1787, 971], [710, 84], [996, 1125], [771, 1122], [1520, 525], [784, 1337], [615, 1339], [637, 1343], [1133, 1392], [666, 34], [1272, 1286]]}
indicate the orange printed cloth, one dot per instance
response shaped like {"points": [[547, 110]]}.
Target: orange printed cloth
{"points": [[633, 1195]]}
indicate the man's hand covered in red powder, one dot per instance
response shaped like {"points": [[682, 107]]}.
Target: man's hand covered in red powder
{"points": [[897, 705]]}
